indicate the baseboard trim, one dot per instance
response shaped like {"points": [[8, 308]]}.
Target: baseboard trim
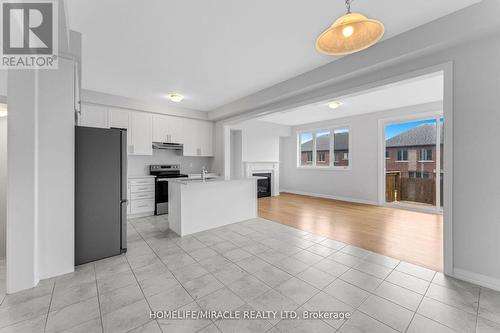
{"points": [[479, 279], [138, 215], [334, 197]]}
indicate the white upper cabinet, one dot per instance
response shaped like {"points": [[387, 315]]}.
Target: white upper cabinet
{"points": [[145, 128], [198, 140], [208, 140], [190, 137], [167, 129], [119, 118], [176, 129], [93, 116], [141, 133], [160, 129]]}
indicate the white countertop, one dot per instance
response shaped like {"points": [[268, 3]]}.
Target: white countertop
{"points": [[187, 181], [140, 176], [198, 175]]}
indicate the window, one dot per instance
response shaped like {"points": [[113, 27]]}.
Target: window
{"points": [[425, 154], [419, 174], [321, 156], [387, 155], [402, 155], [341, 147], [324, 148], [306, 149]]}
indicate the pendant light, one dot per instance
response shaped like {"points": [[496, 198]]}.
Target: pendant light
{"points": [[351, 33]]}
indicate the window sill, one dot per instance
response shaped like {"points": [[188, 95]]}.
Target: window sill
{"points": [[328, 168], [425, 161], [401, 161]]}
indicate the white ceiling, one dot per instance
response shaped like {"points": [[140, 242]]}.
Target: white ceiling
{"points": [[216, 51], [416, 91]]}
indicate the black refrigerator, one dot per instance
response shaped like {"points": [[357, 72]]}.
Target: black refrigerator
{"points": [[100, 193]]}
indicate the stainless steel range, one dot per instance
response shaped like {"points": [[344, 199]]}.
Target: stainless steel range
{"points": [[163, 173]]}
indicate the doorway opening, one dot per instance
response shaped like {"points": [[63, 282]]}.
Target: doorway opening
{"points": [[414, 173], [395, 171]]}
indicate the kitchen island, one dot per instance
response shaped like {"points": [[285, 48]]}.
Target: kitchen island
{"points": [[196, 205]]}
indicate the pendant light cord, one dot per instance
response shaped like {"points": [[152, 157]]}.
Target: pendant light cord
{"points": [[348, 5]]}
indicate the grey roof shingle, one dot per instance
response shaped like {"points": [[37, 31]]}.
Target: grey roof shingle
{"points": [[422, 135], [341, 142]]}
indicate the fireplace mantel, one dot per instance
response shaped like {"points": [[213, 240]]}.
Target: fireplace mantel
{"points": [[271, 167]]}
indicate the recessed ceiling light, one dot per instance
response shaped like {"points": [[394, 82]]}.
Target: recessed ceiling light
{"points": [[335, 105], [175, 97]]}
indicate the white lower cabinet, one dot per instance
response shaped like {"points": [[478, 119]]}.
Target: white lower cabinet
{"points": [[142, 206], [141, 196]]}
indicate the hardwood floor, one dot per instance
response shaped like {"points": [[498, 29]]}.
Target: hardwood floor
{"points": [[410, 236]]}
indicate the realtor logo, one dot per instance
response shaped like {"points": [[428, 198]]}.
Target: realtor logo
{"points": [[29, 34]]}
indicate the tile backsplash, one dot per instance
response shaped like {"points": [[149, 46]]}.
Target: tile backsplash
{"points": [[139, 165]]}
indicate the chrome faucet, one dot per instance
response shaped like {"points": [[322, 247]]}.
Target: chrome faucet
{"points": [[203, 174]]}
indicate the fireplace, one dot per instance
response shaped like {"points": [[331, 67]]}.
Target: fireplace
{"points": [[258, 168], [263, 185]]}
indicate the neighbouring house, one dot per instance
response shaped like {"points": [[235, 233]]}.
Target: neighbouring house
{"points": [[340, 151], [413, 153]]}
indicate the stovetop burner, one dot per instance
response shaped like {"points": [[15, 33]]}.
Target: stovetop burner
{"points": [[166, 171]]}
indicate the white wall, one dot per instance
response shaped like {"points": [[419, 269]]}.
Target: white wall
{"points": [[260, 140], [359, 183], [3, 84], [22, 182], [3, 183], [139, 165], [236, 160], [56, 146], [40, 186]]}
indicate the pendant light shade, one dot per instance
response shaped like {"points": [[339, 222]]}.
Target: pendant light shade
{"points": [[351, 33]]}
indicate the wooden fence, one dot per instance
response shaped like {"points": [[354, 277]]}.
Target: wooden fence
{"points": [[418, 190], [421, 190]]}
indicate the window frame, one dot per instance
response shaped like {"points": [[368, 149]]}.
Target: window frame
{"points": [[321, 157], [331, 159], [402, 151], [299, 150], [424, 157]]}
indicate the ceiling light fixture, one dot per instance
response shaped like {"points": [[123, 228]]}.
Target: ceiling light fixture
{"points": [[175, 97], [334, 105], [350, 33]]}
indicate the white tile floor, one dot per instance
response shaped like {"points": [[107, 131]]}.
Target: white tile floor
{"points": [[255, 264]]}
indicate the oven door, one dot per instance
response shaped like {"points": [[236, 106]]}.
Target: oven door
{"points": [[161, 196]]}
